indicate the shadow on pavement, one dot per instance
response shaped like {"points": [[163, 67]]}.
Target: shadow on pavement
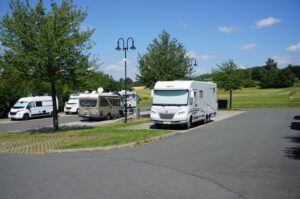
{"points": [[61, 128], [295, 126], [177, 127], [294, 152], [297, 117]]}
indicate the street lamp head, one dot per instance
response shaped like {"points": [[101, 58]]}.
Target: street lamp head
{"points": [[132, 46], [118, 47], [195, 64]]}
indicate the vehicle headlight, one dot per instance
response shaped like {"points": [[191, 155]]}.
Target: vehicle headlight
{"points": [[181, 112], [153, 112]]}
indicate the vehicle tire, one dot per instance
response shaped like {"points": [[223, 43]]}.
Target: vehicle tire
{"points": [[209, 118], [26, 116], [108, 116], [189, 123]]}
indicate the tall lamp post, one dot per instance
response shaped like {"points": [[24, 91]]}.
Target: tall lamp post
{"points": [[195, 64], [125, 49]]}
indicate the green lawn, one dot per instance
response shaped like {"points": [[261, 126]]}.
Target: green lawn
{"points": [[247, 97], [108, 135]]}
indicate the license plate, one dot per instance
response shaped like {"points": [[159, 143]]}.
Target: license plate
{"points": [[167, 122]]}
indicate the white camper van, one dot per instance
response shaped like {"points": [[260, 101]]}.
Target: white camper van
{"points": [[183, 102], [28, 107], [72, 105], [131, 98], [97, 105]]}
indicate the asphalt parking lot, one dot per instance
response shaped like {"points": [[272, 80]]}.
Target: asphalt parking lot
{"points": [[254, 155]]}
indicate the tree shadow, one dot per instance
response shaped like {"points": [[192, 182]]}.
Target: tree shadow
{"points": [[295, 126], [294, 152], [41, 130], [297, 117]]}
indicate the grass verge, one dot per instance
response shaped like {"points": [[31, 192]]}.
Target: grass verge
{"points": [[108, 135]]}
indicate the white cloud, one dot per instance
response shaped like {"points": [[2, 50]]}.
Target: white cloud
{"points": [[228, 29], [248, 46], [294, 48], [267, 22], [184, 25], [282, 59], [117, 70], [202, 57]]}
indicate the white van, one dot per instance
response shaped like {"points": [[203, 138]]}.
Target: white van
{"points": [[183, 102], [28, 107], [131, 98], [97, 105], [72, 105]]}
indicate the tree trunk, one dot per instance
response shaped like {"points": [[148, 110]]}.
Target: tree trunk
{"points": [[54, 113], [230, 99]]}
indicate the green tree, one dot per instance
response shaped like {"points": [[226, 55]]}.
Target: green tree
{"points": [[48, 46], [228, 77], [165, 60], [286, 78], [269, 75]]}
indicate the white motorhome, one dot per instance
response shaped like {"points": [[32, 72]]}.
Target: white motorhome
{"points": [[131, 98], [183, 102], [28, 107], [97, 105], [72, 105]]}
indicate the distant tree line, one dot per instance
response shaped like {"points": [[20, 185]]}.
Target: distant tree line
{"points": [[266, 76]]}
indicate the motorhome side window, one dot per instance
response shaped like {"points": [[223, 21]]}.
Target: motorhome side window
{"points": [[201, 94], [103, 101], [38, 104], [116, 102], [88, 103]]}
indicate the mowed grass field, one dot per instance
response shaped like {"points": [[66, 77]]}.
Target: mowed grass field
{"points": [[246, 97]]}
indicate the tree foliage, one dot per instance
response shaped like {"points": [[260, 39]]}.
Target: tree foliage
{"points": [[48, 46], [165, 60], [272, 77], [228, 77]]}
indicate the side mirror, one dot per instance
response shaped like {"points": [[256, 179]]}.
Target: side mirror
{"points": [[28, 107]]}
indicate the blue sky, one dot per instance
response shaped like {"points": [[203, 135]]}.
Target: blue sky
{"points": [[246, 31]]}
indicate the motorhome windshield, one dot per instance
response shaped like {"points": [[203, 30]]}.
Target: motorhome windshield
{"points": [[88, 102], [20, 104], [170, 97]]}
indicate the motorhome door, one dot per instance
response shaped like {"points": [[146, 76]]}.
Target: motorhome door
{"points": [[105, 107]]}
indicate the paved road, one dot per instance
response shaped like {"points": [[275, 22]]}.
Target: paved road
{"points": [[253, 155], [21, 125]]}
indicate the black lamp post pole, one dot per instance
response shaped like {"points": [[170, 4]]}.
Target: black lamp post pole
{"points": [[125, 48], [195, 64]]}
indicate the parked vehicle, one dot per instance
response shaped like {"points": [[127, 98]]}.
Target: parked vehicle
{"points": [[72, 105], [97, 105], [131, 98], [183, 102], [28, 107]]}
